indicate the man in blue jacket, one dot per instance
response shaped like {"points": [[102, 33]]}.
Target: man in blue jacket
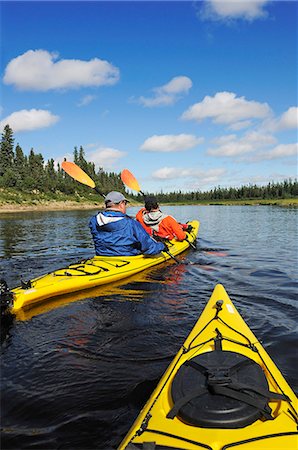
{"points": [[116, 234]]}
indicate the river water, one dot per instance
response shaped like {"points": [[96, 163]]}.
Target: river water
{"points": [[76, 372]]}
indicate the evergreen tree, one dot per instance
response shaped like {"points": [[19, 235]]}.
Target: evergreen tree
{"points": [[50, 176], [36, 169], [76, 156], [81, 160], [20, 161], [20, 166], [6, 150]]}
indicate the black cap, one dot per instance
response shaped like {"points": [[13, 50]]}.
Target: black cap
{"points": [[151, 203]]}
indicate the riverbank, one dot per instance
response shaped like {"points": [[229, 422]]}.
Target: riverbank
{"points": [[48, 206], [13, 201], [10, 207]]}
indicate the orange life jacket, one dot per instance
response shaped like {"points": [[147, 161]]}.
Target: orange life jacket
{"points": [[139, 217], [167, 227]]}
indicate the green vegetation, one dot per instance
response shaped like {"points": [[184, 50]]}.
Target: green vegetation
{"points": [[30, 180], [12, 196], [287, 189], [26, 177], [247, 201]]}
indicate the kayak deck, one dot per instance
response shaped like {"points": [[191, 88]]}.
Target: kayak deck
{"points": [[182, 423], [93, 272]]}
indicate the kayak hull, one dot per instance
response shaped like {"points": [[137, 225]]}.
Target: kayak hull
{"points": [[96, 271], [158, 422]]}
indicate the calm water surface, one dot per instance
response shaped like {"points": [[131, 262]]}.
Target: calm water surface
{"points": [[76, 372]]}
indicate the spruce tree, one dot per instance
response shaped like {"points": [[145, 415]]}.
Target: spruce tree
{"points": [[50, 176], [6, 150], [81, 159], [76, 156], [36, 168], [20, 166]]}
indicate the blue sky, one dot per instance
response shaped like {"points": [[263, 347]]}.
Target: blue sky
{"points": [[186, 95]]}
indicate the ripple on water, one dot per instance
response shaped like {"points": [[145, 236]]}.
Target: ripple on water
{"points": [[76, 376]]}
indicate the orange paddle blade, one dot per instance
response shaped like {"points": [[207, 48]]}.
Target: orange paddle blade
{"points": [[130, 181], [77, 173]]}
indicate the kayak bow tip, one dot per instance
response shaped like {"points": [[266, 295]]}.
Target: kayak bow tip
{"points": [[6, 297]]}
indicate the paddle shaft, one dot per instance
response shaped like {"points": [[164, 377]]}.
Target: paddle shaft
{"points": [[191, 244], [172, 256], [99, 192]]}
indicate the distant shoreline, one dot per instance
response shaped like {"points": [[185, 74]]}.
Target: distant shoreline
{"points": [[48, 206], [72, 205]]}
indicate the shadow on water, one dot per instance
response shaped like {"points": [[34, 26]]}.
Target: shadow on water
{"points": [[76, 372], [7, 321]]}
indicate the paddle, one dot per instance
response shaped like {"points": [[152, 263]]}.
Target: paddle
{"points": [[172, 256], [130, 180], [79, 175]]}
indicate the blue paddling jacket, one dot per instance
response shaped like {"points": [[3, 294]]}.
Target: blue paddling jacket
{"points": [[116, 234]]}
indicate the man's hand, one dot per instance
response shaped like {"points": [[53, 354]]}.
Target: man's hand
{"points": [[159, 238]]}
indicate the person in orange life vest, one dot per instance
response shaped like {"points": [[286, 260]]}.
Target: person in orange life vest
{"points": [[157, 223]]}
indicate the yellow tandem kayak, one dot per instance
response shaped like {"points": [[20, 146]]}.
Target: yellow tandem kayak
{"points": [[222, 391], [93, 272]]}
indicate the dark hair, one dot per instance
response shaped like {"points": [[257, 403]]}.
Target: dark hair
{"points": [[151, 203]]}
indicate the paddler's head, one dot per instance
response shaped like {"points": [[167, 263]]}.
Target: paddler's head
{"points": [[116, 201], [151, 203]]}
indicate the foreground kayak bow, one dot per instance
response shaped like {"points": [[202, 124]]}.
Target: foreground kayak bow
{"points": [[222, 391]]}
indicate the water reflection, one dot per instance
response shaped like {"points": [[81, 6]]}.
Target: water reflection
{"points": [[86, 359], [43, 233], [12, 233]]}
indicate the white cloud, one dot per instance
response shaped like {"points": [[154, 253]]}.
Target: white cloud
{"points": [[225, 108], [170, 143], [177, 85], [105, 157], [280, 151], [240, 125], [251, 147], [86, 100], [169, 93], [38, 70], [234, 9], [224, 140], [201, 176], [230, 145], [167, 173], [26, 120], [288, 120]]}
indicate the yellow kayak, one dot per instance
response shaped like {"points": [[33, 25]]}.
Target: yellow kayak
{"points": [[90, 273], [222, 391]]}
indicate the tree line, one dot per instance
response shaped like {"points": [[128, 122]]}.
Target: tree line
{"points": [[285, 189], [33, 174]]}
